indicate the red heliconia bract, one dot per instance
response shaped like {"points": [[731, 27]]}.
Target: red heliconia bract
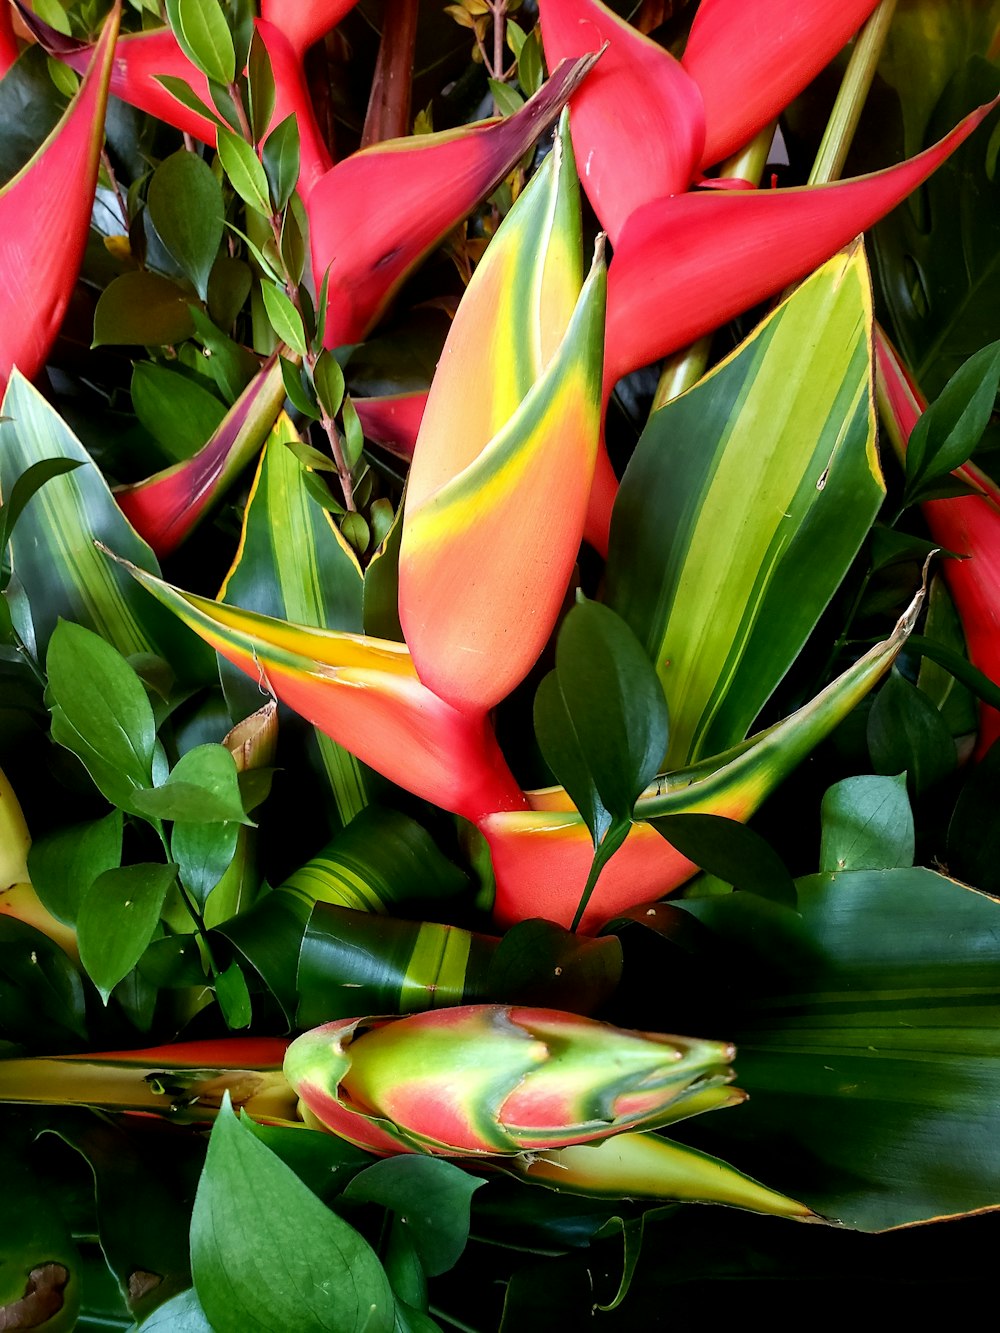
{"points": [[8, 42], [45, 219], [304, 22]]}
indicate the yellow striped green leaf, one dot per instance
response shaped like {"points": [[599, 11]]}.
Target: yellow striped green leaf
{"points": [[733, 489]]}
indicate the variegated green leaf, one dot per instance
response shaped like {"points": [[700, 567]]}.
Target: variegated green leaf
{"points": [[293, 563], [732, 491], [53, 547]]}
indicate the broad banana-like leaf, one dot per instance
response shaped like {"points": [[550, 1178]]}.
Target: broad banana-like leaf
{"points": [[166, 508], [45, 219], [542, 857], [380, 211], [969, 525], [751, 60], [304, 24], [487, 547], [732, 491], [293, 563], [868, 1026], [363, 692], [647, 1166], [53, 551], [621, 169], [754, 243]]}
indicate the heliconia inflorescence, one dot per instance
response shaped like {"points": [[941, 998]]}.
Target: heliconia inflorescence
{"points": [[493, 1079]]}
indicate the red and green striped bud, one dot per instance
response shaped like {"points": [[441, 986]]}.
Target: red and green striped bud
{"points": [[494, 1079]]}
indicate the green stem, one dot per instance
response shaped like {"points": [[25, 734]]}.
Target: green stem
{"points": [[839, 133], [684, 369]]}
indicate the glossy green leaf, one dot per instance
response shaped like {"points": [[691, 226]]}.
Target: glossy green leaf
{"points": [[181, 1314], [142, 309], [280, 156], [431, 1196], [950, 429], [233, 994], [178, 412], [53, 548], [101, 712], [867, 824], [329, 380], [231, 365], [267, 1253], [229, 286], [293, 563], [27, 484], [246, 175], [731, 852], [203, 851], [117, 917], [268, 936], [29, 110], [204, 36], [42, 1003], [285, 319], [202, 787], [185, 206], [733, 488], [65, 863], [540, 963], [600, 717], [868, 1030], [186, 95], [906, 733]]}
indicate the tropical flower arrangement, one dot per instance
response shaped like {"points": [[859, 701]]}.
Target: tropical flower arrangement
{"points": [[499, 658]]}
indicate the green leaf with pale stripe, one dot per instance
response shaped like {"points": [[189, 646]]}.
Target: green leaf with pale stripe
{"points": [[53, 547], [868, 1031], [732, 490], [293, 563]]}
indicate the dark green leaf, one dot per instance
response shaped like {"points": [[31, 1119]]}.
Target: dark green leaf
{"points": [[229, 286], [293, 248], [867, 824], [267, 1254], [64, 864], [540, 963], [27, 484], [101, 712], [600, 718], [242, 165], [432, 1196], [142, 309], [231, 366], [268, 936], [29, 110], [42, 1002], [323, 1162], [354, 437], [732, 852], [906, 733], [949, 430], [530, 71], [260, 84], [185, 206], [356, 531], [203, 852], [233, 996], [974, 831], [281, 160], [203, 787], [868, 1031], [298, 394], [117, 917], [507, 100], [960, 667], [38, 1252], [177, 411]]}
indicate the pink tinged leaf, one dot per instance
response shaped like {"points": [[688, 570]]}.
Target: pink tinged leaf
{"points": [[139, 59], [45, 218], [620, 169], [751, 59], [686, 265], [304, 22], [292, 98], [167, 507], [393, 422], [380, 211], [969, 525]]}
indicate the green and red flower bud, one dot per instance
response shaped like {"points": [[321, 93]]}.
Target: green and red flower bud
{"points": [[494, 1079]]}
